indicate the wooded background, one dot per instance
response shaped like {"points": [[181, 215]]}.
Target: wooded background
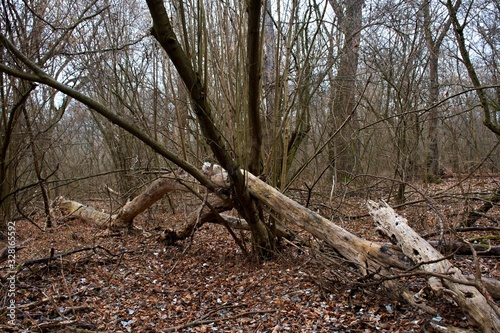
{"points": [[347, 94]]}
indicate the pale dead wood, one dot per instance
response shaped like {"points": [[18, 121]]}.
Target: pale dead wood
{"points": [[369, 256], [470, 300], [240, 224], [143, 201], [74, 208], [125, 216], [438, 327]]}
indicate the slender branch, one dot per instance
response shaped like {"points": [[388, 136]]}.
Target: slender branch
{"points": [[459, 35], [199, 322], [42, 77]]}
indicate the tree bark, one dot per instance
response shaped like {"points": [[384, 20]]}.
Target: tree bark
{"points": [[433, 46], [470, 300], [208, 212], [471, 70], [163, 32], [254, 84], [344, 150]]}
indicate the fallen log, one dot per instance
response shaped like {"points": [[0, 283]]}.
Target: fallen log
{"points": [[473, 303], [465, 249], [125, 216], [370, 257], [208, 212], [367, 255]]}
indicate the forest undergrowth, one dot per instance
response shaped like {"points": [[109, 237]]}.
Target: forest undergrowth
{"points": [[134, 283]]}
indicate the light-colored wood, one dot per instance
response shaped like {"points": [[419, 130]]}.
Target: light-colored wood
{"points": [[471, 301], [368, 256], [154, 192], [125, 216], [101, 219]]}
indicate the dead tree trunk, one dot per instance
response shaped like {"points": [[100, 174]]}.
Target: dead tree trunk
{"points": [[368, 256], [125, 216], [485, 314]]}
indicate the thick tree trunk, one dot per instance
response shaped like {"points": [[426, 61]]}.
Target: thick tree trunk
{"points": [[485, 314], [345, 149]]}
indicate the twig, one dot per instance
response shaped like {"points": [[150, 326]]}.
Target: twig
{"points": [[41, 301], [56, 308], [199, 322], [438, 327], [463, 229], [9, 328], [56, 323], [478, 281], [116, 267], [65, 254]]}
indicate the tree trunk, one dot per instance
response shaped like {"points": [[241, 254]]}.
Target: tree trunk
{"points": [[163, 32], [485, 314], [344, 150], [433, 46], [489, 117], [208, 212], [7, 139], [368, 256], [125, 216]]}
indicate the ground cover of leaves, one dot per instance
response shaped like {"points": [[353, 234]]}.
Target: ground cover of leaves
{"points": [[134, 283]]}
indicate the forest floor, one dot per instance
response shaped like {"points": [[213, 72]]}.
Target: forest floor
{"points": [[134, 283]]}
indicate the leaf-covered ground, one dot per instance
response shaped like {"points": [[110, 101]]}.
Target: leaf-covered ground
{"points": [[134, 283]]}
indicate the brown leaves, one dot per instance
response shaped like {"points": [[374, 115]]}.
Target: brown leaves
{"points": [[211, 287]]}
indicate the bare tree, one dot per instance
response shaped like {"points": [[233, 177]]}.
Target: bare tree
{"points": [[490, 119], [434, 41], [344, 151]]}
